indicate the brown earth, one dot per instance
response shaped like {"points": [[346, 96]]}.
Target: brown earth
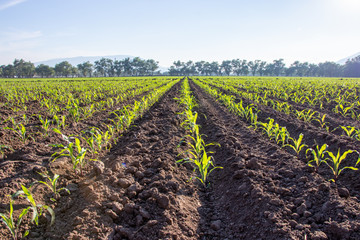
{"points": [[138, 192]]}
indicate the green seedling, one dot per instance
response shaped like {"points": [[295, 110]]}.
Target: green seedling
{"points": [[296, 145], [336, 161], [37, 209], [322, 122], [318, 155], [52, 184], [343, 110], [14, 227], [350, 131], [281, 136], [72, 150], [20, 130], [205, 166], [268, 127], [45, 124]]}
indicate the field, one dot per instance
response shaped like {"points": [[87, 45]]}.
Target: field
{"points": [[181, 158]]}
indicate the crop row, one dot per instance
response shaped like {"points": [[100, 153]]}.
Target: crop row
{"points": [[337, 96], [197, 154], [305, 114], [33, 126], [79, 149], [280, 134]]}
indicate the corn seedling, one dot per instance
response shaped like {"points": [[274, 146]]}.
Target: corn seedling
{"points": [[281, 135], [351, 131], [318, 155], [37, 209], [322, 122], [343, 110], [336, 161], [25, 119], [296, 145], [205, 166], [199, 157], [51, 183], [268, 127], [72, 150], [20, 130], [14, 227], [45, 124]]}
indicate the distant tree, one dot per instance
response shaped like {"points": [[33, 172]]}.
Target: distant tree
{"points": [[254, 66], [74, 71], [118, 67], [104, 67], [352, 67], [63, 69], [226, 67], [44, 70], [262, 68], [138, 66], [110, 69], [313, 70], [215, 68], [8, 71], [85, 69], [330, 69], [199, 66], [279, 67], [127, 66], [244, 67], [292, 70], [23, 68], [236, 66], [151, 66], [188, 68], [173, 71], [177, 68]]}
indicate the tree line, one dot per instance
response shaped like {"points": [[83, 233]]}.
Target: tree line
{"points": [[106, 67], [262, 68]]}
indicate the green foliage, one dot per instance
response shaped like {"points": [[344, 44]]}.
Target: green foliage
{"points": [[197, 154], [14, 227], [20, 130], [45, 124], [318, 155], [336, 160], [37, 209], [297, 144], [52, 184], [72, 150]]}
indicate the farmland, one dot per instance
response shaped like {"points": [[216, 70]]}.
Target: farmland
{"points": [[181, 157]]}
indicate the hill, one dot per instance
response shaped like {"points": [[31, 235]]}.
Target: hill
{"points": [[343, 61]]}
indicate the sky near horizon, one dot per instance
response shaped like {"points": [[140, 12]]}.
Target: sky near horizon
{"points": [[169, 30]]}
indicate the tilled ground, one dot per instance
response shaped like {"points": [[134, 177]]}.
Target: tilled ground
{"points": [[138, 192]]}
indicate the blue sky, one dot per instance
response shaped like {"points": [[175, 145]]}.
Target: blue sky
{"points": [[169, 30]]}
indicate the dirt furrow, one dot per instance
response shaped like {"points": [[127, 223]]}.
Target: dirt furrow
{"points": [[138, 192], [314, 136], [263, 192]]}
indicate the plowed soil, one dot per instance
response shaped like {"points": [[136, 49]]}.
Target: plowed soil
{"points": [[137, 191]]}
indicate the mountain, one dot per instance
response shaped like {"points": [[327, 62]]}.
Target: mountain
{"points": [[77, 60], [343, 61]]}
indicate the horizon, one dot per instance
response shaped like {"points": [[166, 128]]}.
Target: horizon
{"points": [[309, 31]]}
